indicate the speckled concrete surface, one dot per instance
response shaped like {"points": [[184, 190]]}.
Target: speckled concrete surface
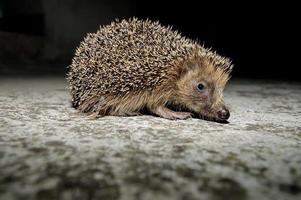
{"points": [[49, 151]]}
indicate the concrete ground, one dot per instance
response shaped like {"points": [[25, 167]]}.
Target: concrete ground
{"points": [[49, 151]]}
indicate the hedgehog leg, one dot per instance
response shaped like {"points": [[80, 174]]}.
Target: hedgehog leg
{"points": [[133, 114], [125, 114], [165, 112]]}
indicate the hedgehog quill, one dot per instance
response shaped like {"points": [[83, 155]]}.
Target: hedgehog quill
{"points": [[134, 65]]}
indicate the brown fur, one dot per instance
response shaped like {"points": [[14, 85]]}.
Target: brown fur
{"points": [[200, 70], [178, 89]]}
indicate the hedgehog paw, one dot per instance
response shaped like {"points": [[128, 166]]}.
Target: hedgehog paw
{"points": [[164, 112]]}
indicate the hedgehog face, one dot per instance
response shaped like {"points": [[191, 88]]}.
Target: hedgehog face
{"points": [[200, 89]]}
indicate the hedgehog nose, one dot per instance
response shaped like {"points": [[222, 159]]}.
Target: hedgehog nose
{"points": [[223, 113]]}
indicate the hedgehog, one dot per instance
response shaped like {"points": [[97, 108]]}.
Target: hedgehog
{"points": [[131, 67]]}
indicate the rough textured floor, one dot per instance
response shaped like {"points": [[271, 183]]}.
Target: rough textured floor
{"points": [[49, 151]]}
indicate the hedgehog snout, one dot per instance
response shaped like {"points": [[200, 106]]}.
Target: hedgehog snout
{"points": [[223, 113]]}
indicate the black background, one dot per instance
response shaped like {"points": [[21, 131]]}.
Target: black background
{"points": [[262, 39]]}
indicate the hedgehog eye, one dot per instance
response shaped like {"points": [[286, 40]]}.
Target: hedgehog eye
{"points": [[201, 87]]}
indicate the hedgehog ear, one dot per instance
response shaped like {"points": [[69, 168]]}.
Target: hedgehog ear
{"points": [[188, 65]]}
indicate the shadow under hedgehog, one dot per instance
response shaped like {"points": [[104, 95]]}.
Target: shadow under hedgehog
{"points": [[134, 65]]}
